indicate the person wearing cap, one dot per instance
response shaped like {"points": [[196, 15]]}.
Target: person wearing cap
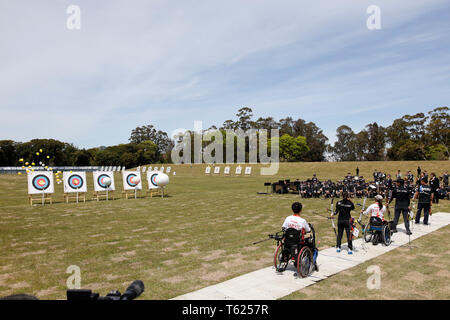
{"points": [[424, 195], [343, 208], [376, 209], [402, 201]]}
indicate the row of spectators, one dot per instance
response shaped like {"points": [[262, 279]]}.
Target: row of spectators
{"points": [[357, 186]]}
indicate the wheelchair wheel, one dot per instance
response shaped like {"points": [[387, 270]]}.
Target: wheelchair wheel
{"points": [[386, 234], [367, 234], [305, 262], [280, 259]]}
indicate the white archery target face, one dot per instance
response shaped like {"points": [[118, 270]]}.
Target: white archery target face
{"points": [[40, 182], [74, 182], [128, 183], [248, 170], [151, 176], [99, 185], [168, 169], [216, 170], [208, 170], [226, 170], [238, 170]]}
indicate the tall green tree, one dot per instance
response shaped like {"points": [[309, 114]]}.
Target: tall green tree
{"points": [[291, 148], [345, 148], [316, 140]]}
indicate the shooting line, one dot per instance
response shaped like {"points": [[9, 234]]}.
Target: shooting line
{"points": [[267, 284]]}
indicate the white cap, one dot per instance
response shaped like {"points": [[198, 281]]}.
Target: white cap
{"points": [[378, 197]]}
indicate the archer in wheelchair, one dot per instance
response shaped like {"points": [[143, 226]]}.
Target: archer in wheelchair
{"points": [[377, 229], [292, 245]]}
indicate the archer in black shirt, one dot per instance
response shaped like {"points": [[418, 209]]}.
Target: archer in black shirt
{"points": [[401, 194], [343, 209]]}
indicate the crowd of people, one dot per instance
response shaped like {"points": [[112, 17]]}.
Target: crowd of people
{"points": [[423, 195], [359, 187]]}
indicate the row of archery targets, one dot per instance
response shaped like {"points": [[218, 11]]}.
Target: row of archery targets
{"points": [[41, 184], [216, 170]]}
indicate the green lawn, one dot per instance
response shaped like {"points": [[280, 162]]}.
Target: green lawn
{"points": [[199, 235]]}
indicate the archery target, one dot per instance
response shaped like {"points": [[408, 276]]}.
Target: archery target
{"points": [[100, 182], [238, 170], [151, 176], [216, 170], [168, 169], [208, 170], [40, 182], [74, 182], [128, 180], [226, 170], [248, 170]]}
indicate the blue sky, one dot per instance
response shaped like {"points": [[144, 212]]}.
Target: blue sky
{"points": [[168, 63]]}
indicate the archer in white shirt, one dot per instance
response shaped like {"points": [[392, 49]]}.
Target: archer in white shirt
{"points": [[376, 209], [295, 221]]}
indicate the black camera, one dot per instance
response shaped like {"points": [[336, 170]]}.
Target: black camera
{"points": [[133, 291]]}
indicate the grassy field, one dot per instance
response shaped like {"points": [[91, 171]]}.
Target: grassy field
{"points": [[199, 235]]}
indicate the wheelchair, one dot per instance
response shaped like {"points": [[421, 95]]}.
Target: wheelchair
{"points": [[293, 246], [377, 231]]}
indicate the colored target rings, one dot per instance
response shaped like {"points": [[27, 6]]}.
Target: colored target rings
{"points": [[152, 179], [130, 180], [41, 182], [75, 181], [104, 181]]}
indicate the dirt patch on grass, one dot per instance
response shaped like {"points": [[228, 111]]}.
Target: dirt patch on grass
{"points": [[213, 255], [123, 256], [174, 279], [20, 285], [415, 277], [46, 292], [214, 276], [190, 253], [32, 253]]}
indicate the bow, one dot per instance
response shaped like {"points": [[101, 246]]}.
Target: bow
{"points": [[362, 210], [331, 216]]}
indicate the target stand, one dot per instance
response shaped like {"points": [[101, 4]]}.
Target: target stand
{"points": [[40, 199], [131, 194], [98, 195], [81, 197], [156, 191]]}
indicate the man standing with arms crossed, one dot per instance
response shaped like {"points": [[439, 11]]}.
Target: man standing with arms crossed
{"points": [[425, 196], [402, 201]]}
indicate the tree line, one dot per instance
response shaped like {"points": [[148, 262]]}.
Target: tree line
{"points": [[411, 137], [146, 145]]}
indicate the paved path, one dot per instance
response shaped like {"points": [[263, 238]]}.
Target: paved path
{"points": [[266, 284]]}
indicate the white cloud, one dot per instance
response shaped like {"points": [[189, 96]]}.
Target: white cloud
{"points": [[170, 62]]}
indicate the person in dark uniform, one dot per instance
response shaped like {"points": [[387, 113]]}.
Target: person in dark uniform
{"points": [[425, 197], [418, 171], [357, 171], [402, 200], [389, 183], [343, 208], [410, 177], [445, 179], [434, 183]]}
